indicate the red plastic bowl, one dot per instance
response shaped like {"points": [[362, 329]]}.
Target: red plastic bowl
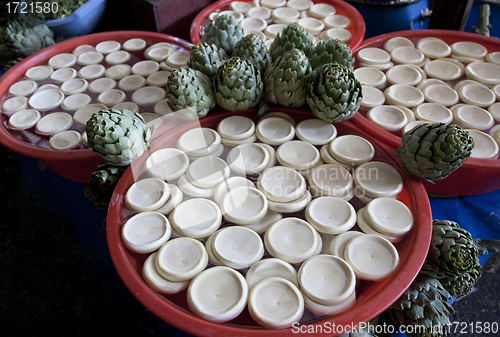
{"points": [[476, 175], [357, 26], [372, 297], [76, 165]]}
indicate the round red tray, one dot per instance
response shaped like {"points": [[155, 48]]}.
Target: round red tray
{"points": [[372, 297], [476, 175], [78, 164], [357, 26]]}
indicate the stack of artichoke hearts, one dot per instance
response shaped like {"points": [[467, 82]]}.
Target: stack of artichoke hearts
{"points": [[237, 72]]}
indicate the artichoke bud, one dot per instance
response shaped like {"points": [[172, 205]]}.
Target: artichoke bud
{"points": [[252, 48], [102, 183], [452, 258], [433, 151], [331, 51], [424, 305], [118, 136], [292, 36], [206, 58], [224, 31], [185, 87], [286, 79], [238, 84], [334, 94]]}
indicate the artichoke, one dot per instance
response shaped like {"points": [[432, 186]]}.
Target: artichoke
{"points": [[27, 35], [206, 58], [224, 31], [434, 150], [238, 85], [118, 136], [292, 36], [188, 87], [424, 306], [252, 48], [286, 79], [452, 247], [102, 183], [23, 37], [460, 285], [331, 51], [334, 94], [452, 258]]}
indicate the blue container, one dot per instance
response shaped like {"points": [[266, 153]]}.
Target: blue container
{"points": [[81, 22], [382, 16], [494, 19]]}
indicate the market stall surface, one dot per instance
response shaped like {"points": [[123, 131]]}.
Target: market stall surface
{"points": [[57, 278]]}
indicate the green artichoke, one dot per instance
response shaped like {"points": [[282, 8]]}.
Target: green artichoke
{"points": [[334, 94], [331, 51], [102, 183], [434, 150], [287, 78], [292, 36], [252, 48], [423, 306], [23, 37], [238, 85], [224, 31], [452, 247], [452, 258], [118, 136], [460, 285], [28, 35], [188, 87], [206, 58]]}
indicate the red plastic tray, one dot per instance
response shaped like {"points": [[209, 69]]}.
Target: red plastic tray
{"points": [[476, 175], [372, 297], [357, 26], [78, 164]]}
